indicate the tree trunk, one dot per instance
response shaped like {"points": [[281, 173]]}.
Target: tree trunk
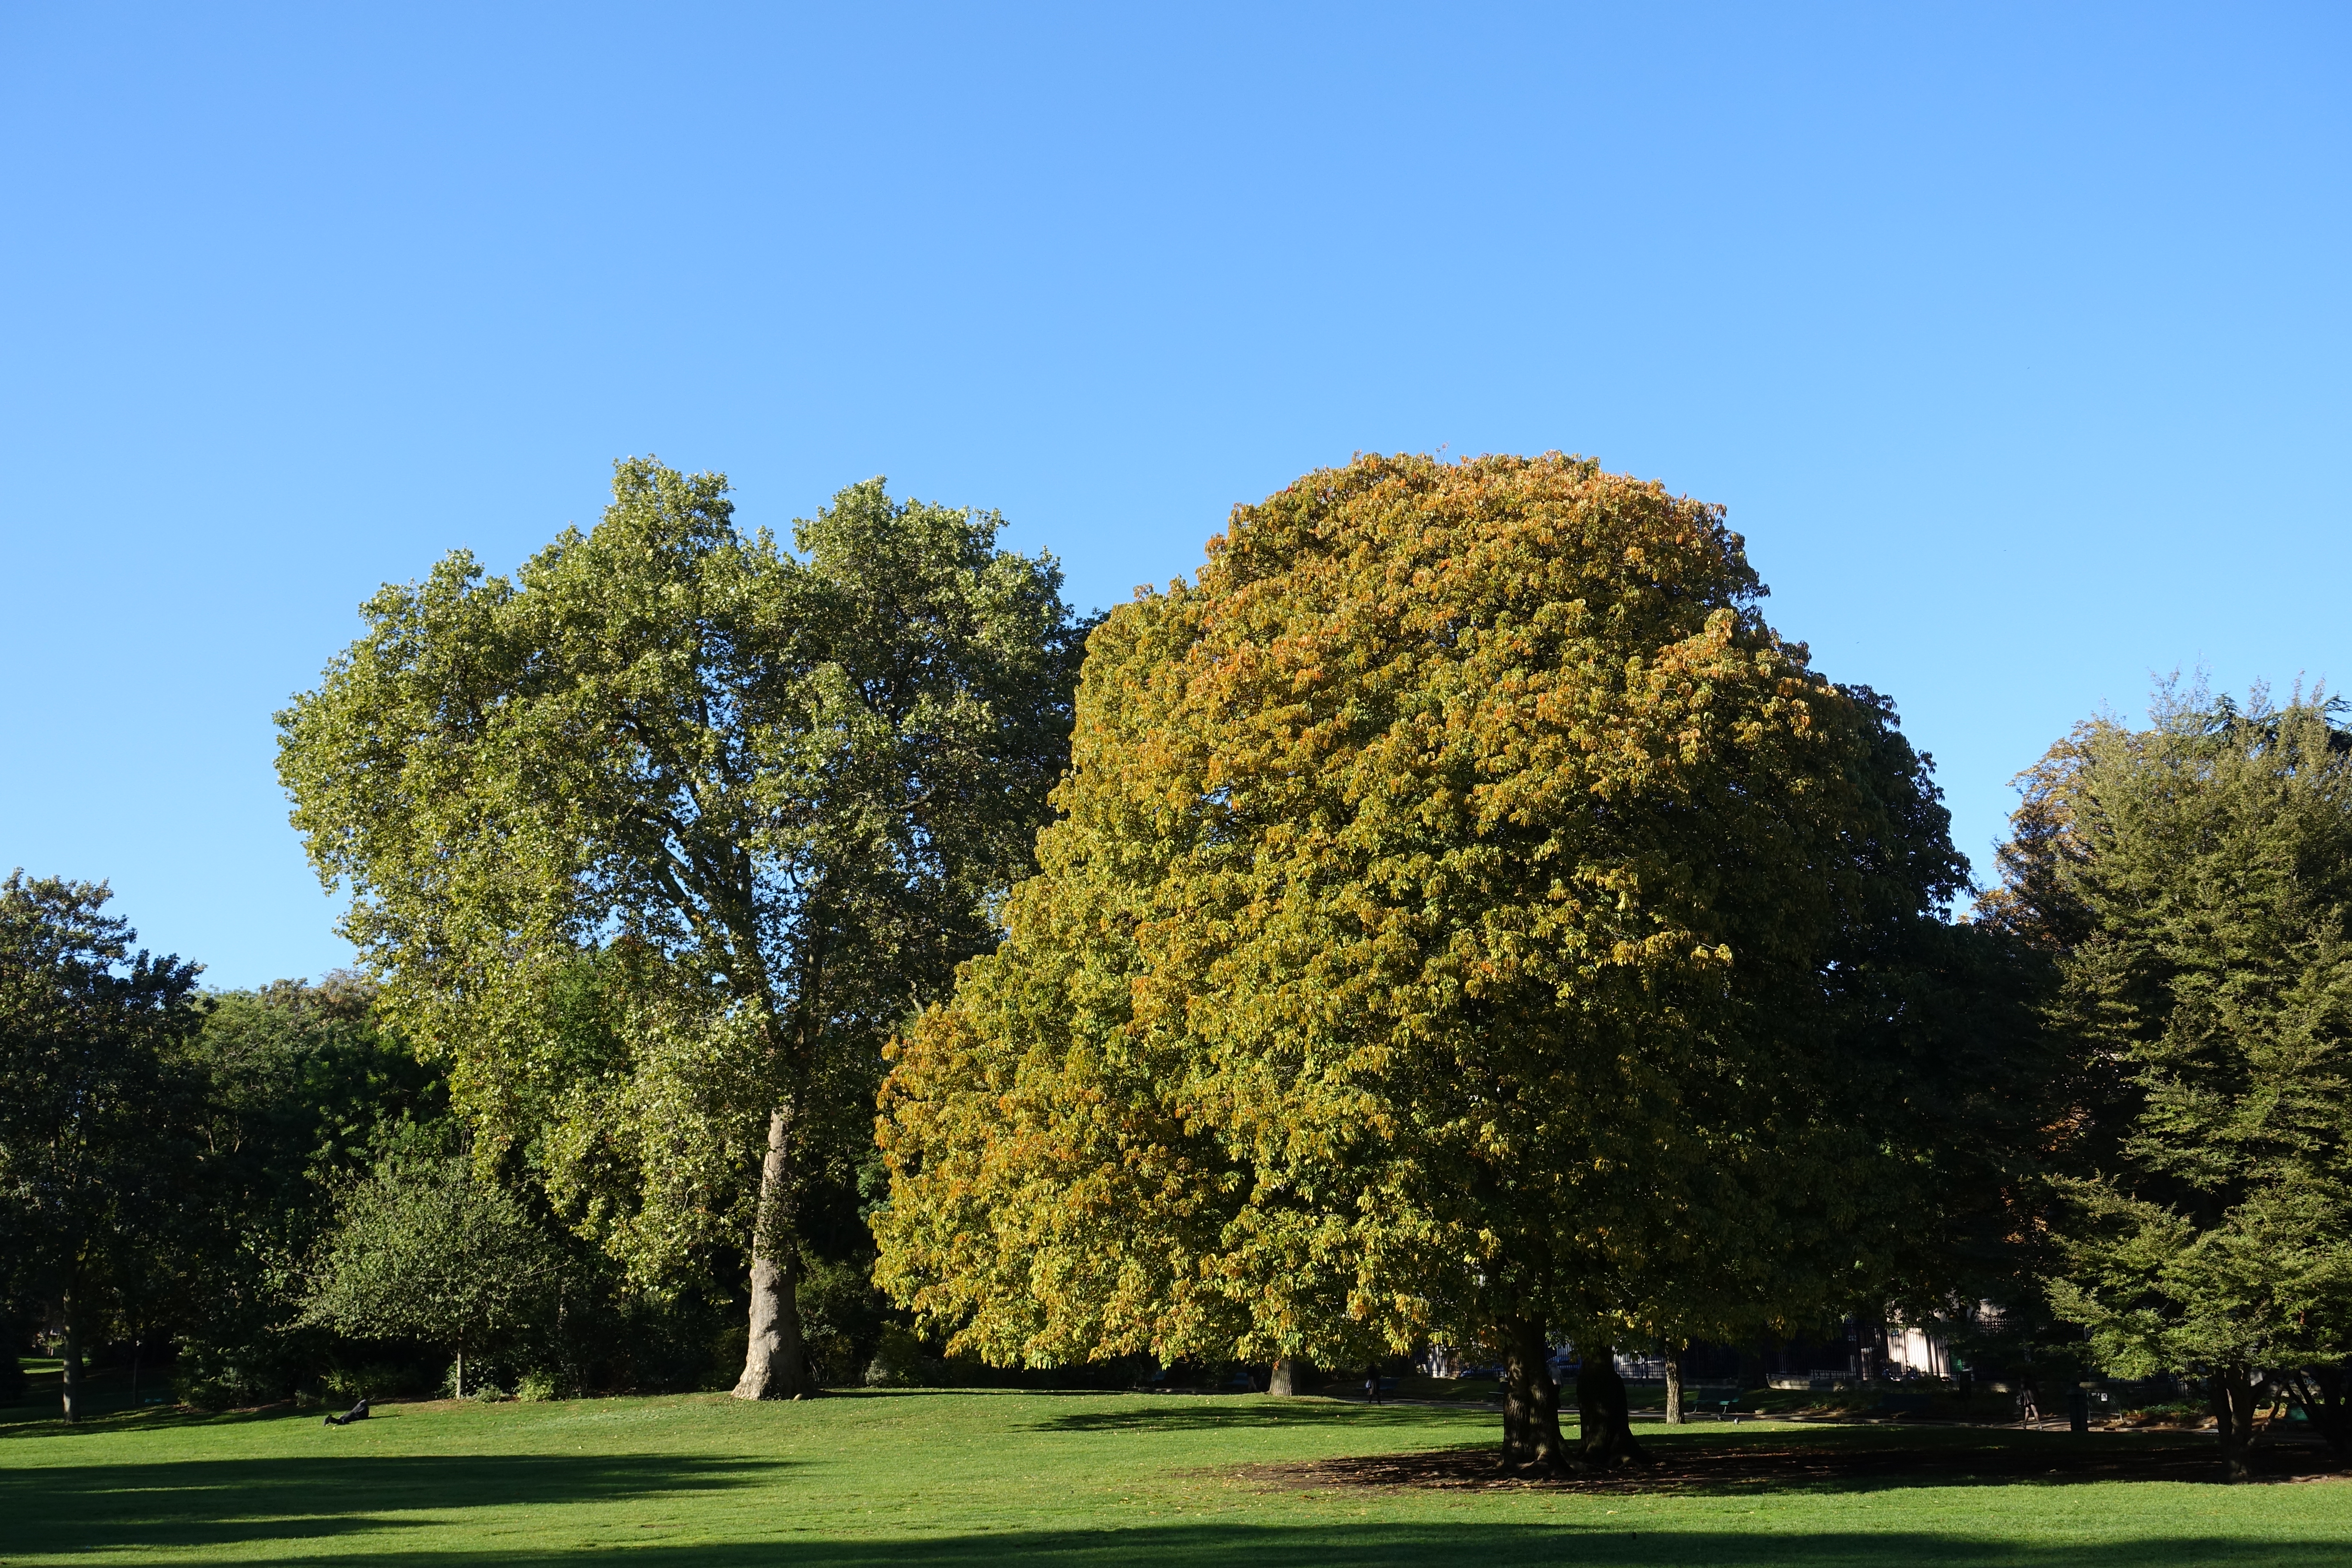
{"points": [[775, 1362], [1531, 1438], [1283, 1380], [2231, 1392], [1755, 1371], [1673, 1387], [1603, 1413], [461, 1371], [2324, 1407], [71, 1380]]}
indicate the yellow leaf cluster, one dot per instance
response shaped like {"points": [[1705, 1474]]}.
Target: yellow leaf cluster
{"points": [[1426, 938]]}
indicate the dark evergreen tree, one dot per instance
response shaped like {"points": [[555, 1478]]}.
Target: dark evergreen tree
{"points": [[2194, 880], [97, 1159]]}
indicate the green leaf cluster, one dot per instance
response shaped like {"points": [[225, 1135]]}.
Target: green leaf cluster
{"points": [[305, 1092], [98, 1105], [425, 1251], [656, 841]]}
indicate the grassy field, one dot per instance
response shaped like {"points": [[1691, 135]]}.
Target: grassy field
{"points": [[975, 1479]]}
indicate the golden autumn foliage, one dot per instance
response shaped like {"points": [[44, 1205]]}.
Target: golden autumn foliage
{"points": [[1431, 943]]}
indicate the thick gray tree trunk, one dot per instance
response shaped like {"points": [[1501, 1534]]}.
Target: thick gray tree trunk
{"points": [[1283, 1380], [775, 1362], [1673, 1387], [71, 1381]]}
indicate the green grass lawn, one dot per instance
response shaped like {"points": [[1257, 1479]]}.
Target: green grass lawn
{"points": [[1004, 1477]]}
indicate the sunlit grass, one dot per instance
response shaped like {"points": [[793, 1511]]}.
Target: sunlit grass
{"points": [[988, 1478]]}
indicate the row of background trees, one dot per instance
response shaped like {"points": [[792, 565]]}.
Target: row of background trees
{"points": [[1458, 916], [243, 1195]]}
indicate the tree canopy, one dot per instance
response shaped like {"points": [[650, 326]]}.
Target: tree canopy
{"points": [[1445, 934], [305, 1092], [96, 1157], [423, 1250], [2195, 878], [656, 841]]}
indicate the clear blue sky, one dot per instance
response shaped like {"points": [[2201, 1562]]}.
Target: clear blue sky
{"points": [[2015, 338]]}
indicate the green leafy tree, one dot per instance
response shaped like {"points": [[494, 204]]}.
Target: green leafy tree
{"points": [[97, 1161], [656, 841], [424, 1250], [2196, 878], [305, 1092], [1447, 934], [1928, 1044]]}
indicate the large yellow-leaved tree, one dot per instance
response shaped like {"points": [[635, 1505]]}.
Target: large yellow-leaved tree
{"points": [[1461, 922]]}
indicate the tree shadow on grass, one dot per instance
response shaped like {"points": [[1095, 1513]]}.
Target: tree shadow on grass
{"points": [[227, 1502], [982, 1390], [19, 1424], [1415, 1544], [1185, 1415], [1808, 1459], [107, 1396]]}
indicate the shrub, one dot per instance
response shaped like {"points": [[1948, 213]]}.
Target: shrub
{"points": [[368, 1380], [901, 1361], [224, 1377]]}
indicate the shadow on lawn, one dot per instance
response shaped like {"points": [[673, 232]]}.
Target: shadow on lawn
{"points": [[108, 1395], [20, 1422], [1757, 1457], [223, 1502], [1816, 1460], [1184, 1415], [1410, 1545]]}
